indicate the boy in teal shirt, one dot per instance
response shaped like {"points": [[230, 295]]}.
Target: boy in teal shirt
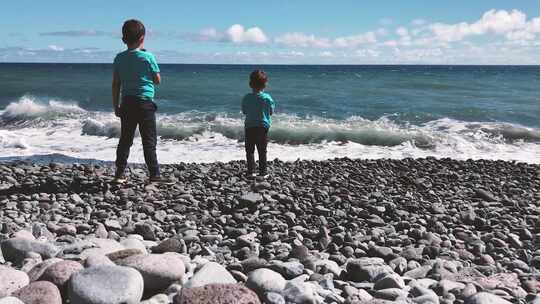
{"points": [[135, 74], [258, 106]]}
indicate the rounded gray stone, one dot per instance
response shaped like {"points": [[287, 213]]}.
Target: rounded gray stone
{"points": [[98, 260], [106, 284], [391, 280], [59, 273], [11, 280], [299, 292], [265, 280], [367, 269], [35, 273], [210, 273], [158, 270], [485, 298], [10, 300], [40, 292], [16, 249]]}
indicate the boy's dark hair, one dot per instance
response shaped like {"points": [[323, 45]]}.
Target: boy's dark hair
{"points": [[258, 79], [132, 31]]}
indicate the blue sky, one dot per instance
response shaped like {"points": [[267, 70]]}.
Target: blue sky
{"points": [[282, 31]]}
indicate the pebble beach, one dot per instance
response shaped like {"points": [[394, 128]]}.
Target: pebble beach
{"points": [[419, 231]]}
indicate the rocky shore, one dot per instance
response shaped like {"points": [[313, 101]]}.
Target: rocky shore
{"points": [[420, 231]]}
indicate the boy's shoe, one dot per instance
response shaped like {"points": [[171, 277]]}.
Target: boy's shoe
{"points": [[119, 179], [264, 175], [250, 175]]}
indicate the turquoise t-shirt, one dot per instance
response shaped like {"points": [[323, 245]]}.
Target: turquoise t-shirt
{"points": [[258, 107], [136, 69]]}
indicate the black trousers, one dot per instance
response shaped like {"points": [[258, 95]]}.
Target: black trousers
{"points": [[136, 112], [256, 137]]}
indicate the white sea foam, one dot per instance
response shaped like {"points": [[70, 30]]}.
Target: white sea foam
{"points": [[31, 128], [29, 108]]}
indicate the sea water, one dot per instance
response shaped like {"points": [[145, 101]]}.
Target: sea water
{"points": [[461, 112]]}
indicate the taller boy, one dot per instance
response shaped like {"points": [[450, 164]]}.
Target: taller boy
{"points": [[135, 74]]}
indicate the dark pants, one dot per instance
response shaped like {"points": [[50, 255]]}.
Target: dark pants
{"points": [[142, 113], [256, 137]]}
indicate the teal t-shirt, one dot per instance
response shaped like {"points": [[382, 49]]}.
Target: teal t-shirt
{"points": [[258, 107], [136, 69]]}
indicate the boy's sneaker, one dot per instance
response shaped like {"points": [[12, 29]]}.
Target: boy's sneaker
{"points": [[119, 179], [264, 175], [251, 175]]}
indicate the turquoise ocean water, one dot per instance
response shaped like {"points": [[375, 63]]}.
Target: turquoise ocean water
{"points": [[323, 112]]}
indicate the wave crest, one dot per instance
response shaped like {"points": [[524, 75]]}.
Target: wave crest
{"points": [[28, 108], [284, 131], [28, 112]]}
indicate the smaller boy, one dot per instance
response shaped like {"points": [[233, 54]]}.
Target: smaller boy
{"points": [[135, 75], [258, 106]]}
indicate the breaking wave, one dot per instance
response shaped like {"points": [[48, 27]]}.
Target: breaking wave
{"points": [[64, 126]]}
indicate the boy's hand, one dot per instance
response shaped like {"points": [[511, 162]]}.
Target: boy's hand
{"points": [[118, 112]]}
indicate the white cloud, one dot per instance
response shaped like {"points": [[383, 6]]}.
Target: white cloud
{"points": [[520, 36], [326, 54], [402, 31], [366, 53], [305, 40], [356, 40], [295, 54], [381, 31], [209, 34], [56, 48], [493, 21], [302, 40], [55, 53], [237, 34]]}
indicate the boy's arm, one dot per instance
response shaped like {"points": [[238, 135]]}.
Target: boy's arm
{"points": [[116, 84], [154, 68], [271, 105], [156, 77], [244, 106]]}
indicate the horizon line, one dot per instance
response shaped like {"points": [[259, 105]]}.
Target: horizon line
{"points": [[288, 64]]}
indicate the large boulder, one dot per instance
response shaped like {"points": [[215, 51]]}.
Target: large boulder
{"points": [[11, 280], [40, 292], [159, 271], [16, 250], [60, 273], [264, 280], [37, 271], [106, 284], [10, 300], [485, 298], [217, 294]]}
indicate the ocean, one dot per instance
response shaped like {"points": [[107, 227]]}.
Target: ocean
{"points": [[323, 112]]}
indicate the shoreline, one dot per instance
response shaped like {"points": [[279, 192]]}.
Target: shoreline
{"points": [[63, 159], [334, 231]]}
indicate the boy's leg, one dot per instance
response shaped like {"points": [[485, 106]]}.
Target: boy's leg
{"points": [[147, 128], [250, 149], [128, 125], [262, 143]]}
